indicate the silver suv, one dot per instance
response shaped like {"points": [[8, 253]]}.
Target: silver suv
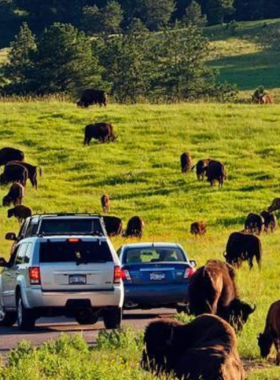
{"points": [[76, 276]]}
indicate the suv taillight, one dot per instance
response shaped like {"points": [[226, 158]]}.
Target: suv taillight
{"points": [[34, 276], [189, 272], [126, 275], [117, 275]]}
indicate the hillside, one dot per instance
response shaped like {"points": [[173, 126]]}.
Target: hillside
{"points": [[141, 173]]}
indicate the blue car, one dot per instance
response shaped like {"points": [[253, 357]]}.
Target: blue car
{"points": [[155, 275]]}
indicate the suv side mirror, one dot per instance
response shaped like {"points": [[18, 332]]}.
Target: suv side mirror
{"points": [[3, 262], [193, 263], [11, 236]]}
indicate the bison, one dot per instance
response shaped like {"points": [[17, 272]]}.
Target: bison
{"points": [[212, 290], [201, 167], [14, 173], [113, 225], [275, 205], [90, 97], [198, 228], [105, 203], [254, 223], [10, 154], [186, 162], [104, 132], [215, 172], [20, 212], [32, 171], [271, 334], [205, 348], [135, 227], [15, 195], [270, 221], [243, 247]]}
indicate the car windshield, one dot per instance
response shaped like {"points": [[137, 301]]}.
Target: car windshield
{"points": [[71, 226], [153, 255]]}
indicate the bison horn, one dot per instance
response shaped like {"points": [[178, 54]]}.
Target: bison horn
{"points": [[253, 308]]}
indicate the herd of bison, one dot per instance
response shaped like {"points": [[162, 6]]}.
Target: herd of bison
{"points": [[205, 348]]}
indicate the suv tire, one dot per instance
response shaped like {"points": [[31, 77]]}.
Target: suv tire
{"points": [[87, 317], [7, 318], [25, 317], [112, 318]]}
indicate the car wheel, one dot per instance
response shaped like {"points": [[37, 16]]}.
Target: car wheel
{"points": [[112, 318], [7, 318], [25, 317], [86, 317]]}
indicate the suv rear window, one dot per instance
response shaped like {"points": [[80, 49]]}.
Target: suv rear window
{"points": [[80, 252], [71, 226]]}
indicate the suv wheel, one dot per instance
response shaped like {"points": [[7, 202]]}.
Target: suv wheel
{"points": [[87, 317], [7, 318], [112, 318], [25, 317]]}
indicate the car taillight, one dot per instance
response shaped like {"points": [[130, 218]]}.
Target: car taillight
{"points": [[189, 272], [126, 275], [34, 276], [117, 275]]}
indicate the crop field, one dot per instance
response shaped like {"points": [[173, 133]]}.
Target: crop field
{"points": [[141, 174]]}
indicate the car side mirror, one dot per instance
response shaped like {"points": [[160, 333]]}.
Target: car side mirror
{"points": [[3, 262], [193, 263], [11, 236]]}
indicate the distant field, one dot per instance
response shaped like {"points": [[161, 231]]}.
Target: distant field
{"points": [[141, 173]]}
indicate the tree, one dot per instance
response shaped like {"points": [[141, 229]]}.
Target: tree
{"points": [[156, 14], [194, 14], [216, 10], [91, 19]]}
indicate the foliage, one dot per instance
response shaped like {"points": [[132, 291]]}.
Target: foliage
{"points": [[194, 14], [156, 14], [216, 10]]}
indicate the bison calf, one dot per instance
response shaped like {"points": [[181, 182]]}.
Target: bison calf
{"points": [[20, 212], [186, 162], [198, 228], [15, 195], [105, 203], [135, 227], [254, 223]]}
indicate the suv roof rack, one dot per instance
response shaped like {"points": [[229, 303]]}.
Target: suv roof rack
{"points": [[67, 214]]}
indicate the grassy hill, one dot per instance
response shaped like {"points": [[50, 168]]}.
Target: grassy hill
{"points": [[141, 173]]}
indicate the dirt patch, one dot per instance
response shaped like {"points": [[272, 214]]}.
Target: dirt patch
{"points": [[255, 365]]}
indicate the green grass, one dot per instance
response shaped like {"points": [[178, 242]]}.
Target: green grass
{"points": [[141, 173]]}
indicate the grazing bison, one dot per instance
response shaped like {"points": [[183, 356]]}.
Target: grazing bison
{"points": [[186, 162], [14, 173], [113, 225], [15, 195], [198, 228], [270, 221], [271, 334], [32, 171], [10, 154], [20, 212], [90, 97], [201, 168], [212, 290], [135, 227], [254, 223], [205, 348], [99, 131], [105, 203], [215, 172], [275, 205], [243, 247]]}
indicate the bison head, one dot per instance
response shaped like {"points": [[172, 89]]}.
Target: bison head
{"points": [[239, 313], [11, 212], [6, 201], [265, 343]]}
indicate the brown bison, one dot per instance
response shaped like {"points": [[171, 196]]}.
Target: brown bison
{"points": [[262, 99], [20, 212], [135, 227], [10, 154], [201, 168], [15, 195], [105, 203], [186, 162], [212, 290], [243, 247], [271, 334], [14, 173], [254, 223], [198, 228], [215, 172], [270, 221], [104, 132], [113, 225], [32, 171], [90, 97], [205, 348], [275, 205]]}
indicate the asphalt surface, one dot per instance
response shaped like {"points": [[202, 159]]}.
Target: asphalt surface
{"points": [[50, 328]]}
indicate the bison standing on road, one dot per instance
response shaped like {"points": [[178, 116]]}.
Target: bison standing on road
{"points": [[205, 348], [271, 334], [135, 227], [113, 225], [32, 171], [254, 223], [243, 247], [104, 132], [20, 212], [186, 162], [10, 154], [201, 168], [198, 228], [14, 173], [15, 195], [212, 290], [270, 221], [90, 97], [216, 172]]}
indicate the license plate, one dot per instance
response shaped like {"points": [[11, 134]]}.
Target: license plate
{"points": [[77, 279], [157, 276]]}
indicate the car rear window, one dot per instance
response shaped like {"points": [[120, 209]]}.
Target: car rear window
{"points": [[71, 226], [153, 255], [80, 252]]}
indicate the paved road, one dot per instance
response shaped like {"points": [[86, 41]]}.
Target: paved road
{"points": [[50, 329]]}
